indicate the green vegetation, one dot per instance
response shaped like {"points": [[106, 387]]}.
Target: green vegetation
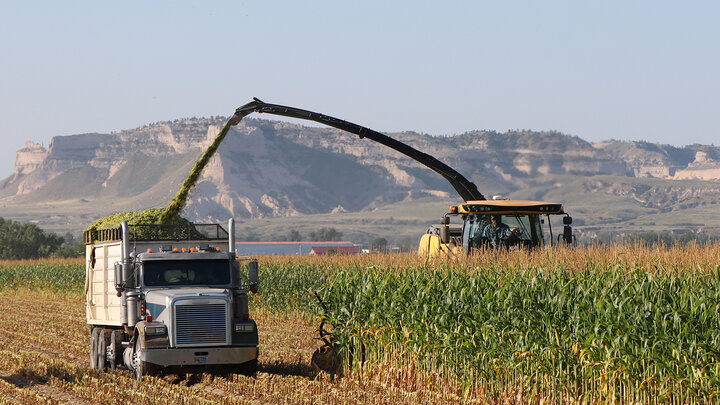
{"points": [[326, 234], [667, 239], [64, 277], [68, 250], [148, 216], [322, 234], [378, 245], [286, 287], [552, 330], [631, 323], [26, 241], [178, 203]]}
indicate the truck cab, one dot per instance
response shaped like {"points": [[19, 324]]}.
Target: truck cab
{"points": [[169, 298]]}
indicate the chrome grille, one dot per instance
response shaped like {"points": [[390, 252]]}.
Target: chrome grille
{"points": [[200, 324]]}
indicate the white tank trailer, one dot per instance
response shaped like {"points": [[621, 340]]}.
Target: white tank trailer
{"points": [[169, 298]]}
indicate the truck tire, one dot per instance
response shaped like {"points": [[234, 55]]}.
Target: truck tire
{"points": [[101, 349], [114, 350], [93, 348], [139, 366]]}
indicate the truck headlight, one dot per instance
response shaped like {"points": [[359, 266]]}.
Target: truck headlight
{"points": [[155, 330], [244, 327]]}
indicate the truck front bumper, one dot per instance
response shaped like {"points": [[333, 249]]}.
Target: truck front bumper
{"points": [[199, 356]]}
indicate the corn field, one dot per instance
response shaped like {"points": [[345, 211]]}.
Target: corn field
{"points": [[617, 324]]}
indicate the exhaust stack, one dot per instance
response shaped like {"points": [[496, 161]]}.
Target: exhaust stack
{"points": [[231, 236]]}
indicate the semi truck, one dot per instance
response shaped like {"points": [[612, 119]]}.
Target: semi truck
{"points": [[169, 298]]}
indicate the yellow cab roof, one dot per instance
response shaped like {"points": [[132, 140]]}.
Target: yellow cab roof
{"points": [[511, 207]]}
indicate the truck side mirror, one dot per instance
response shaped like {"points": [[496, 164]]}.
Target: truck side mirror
{"points": [[253, 269], [119, 277]]}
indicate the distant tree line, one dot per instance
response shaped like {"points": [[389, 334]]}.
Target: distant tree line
{"points": [[668, 239], [663, 238], [324, 234], [375, 243], [27, 241]]}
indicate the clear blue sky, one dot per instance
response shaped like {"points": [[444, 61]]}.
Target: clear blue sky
{"points": [[640, 70]]}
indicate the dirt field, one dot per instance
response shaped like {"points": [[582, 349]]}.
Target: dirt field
{"points": [[44, 359]]}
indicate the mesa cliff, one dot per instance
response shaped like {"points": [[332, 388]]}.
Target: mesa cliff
{"points": [[270, 168]]}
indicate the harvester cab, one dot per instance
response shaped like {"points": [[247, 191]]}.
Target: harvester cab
{"points": [[496, 224]]}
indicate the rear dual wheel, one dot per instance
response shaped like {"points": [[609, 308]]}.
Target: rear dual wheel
{"points": [[93, 347], [114, 349], [105, 348], [97, 348], [101, 349]]}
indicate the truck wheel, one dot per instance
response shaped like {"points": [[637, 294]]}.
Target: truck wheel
{"points": [[138, 366], [93, 348], [101, 348], [114, 349], [141, 367]]}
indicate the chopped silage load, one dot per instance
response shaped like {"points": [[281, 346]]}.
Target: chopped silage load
{"points": [[171, 214]]}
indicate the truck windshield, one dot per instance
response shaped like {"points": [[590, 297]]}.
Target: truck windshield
{"points": [[186, 272]]}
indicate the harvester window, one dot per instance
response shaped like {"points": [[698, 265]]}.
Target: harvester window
{"points": [[519, 225], [522, 232], [181, 273]]}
